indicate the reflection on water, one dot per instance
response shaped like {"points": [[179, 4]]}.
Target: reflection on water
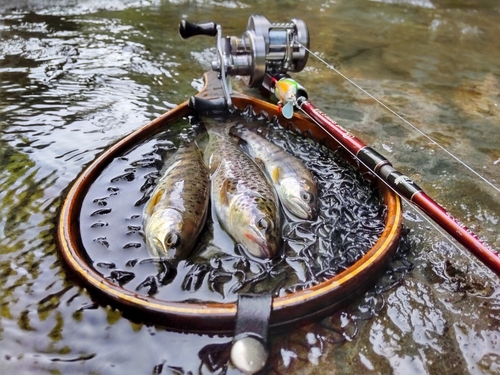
{"points": [[75, 77]]}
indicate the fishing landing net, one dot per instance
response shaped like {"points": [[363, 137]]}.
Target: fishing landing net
{"points": [[351, 219]]}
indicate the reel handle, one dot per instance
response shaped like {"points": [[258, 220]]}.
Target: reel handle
{"points": [[264, 48], [188, 29]]}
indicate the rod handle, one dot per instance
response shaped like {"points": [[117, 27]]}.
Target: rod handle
{"points": [[188, 29]]}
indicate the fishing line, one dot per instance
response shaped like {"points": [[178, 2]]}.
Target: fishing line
{"points": [[411, 204], [401, 118]]}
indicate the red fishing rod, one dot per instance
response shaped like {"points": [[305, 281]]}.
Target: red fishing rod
{"points": [[380, 166], [268, 50]]}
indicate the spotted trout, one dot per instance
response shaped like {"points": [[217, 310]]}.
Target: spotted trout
{"points": [[244, 201], [175, 214], [293, 182]]}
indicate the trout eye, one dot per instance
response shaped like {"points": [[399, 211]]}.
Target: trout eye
{"points": [[172, 240], [264, 224], [306, 196]]}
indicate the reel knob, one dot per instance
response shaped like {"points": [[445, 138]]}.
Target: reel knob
{"points": [[188, 29]]}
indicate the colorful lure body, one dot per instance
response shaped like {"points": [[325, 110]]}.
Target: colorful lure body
{"points": [[286, 91]]}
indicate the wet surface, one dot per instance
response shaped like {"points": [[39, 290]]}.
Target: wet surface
{"points": [[75, 77], [350, 221]]}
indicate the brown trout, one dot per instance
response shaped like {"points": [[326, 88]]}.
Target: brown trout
{"points": [[293, 182], [245, 203], [176, 212]]}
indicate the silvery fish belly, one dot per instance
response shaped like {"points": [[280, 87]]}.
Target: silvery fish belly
{"points": [[175, 214], [245, 203], [293, 182]]}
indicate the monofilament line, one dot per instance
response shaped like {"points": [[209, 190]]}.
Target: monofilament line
{"points": [[415, 208], [411, 204], [401, 118]]}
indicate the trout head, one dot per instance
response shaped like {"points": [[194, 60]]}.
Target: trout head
{"points": [[299, 197], [166, 235], [257, 227]]}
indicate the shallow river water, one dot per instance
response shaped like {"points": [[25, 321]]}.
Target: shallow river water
{"points": [[76, 76]]}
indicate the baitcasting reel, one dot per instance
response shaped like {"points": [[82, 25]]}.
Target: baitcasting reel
{"points": [[264, 49]]}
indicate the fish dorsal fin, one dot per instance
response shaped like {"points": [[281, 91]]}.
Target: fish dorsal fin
{"points": [[260, 163], [287, 110], [225, 190], [153, 201], [212, 164], [275, 174]]}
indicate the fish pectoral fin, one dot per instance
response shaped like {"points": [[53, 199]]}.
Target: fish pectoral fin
{"points": [[287, 110], [153, 201], [275, 174]]}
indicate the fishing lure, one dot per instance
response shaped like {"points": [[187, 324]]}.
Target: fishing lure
{"points": [[286, 91]]}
